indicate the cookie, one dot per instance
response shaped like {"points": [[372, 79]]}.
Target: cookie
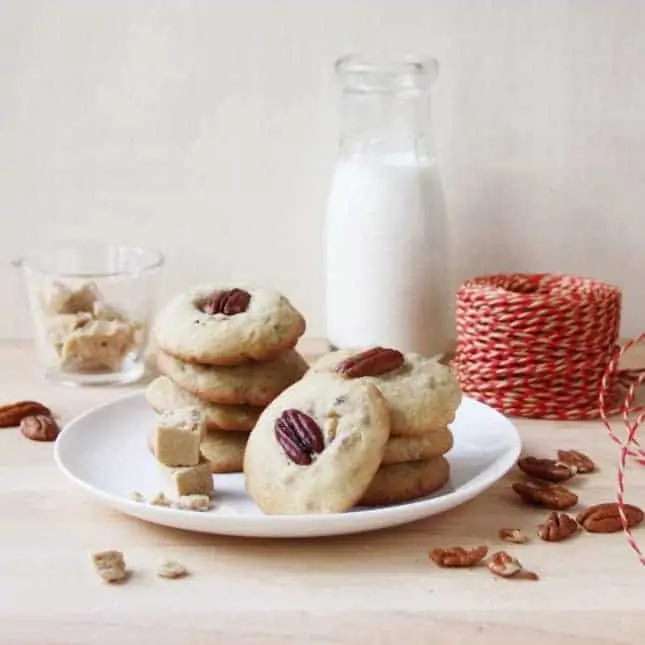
{"points": [[316, 447], [249, 383], [218, 326], [225, 451], [426, 446], [422, 394], [398, 483], [163, 395]]}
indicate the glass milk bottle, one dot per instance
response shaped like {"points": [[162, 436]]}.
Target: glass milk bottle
{"points": [[387, 279]]}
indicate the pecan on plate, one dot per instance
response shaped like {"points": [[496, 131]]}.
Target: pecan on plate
{"points": [[372, 362], [578, 460], [229, 302], [547, 495], [516, 536], [458, 556], [557, 527], [605, 518], [13, 413], [546, 469], [504, 565], [40, 427], [299, 435]]}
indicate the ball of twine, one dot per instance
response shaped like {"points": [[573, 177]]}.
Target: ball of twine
{"points": [[546, 346], [537, 345]]}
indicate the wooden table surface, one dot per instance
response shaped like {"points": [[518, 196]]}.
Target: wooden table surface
{"points": [[365, 589]]}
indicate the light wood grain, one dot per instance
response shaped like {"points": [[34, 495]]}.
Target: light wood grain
{"points": [[363, 589]]}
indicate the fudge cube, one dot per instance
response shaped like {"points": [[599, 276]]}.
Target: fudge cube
{"points": [[194, 480], [61, 326], [60, 299], [98, 345], [177, 437], [104, 311], [110, 565]]}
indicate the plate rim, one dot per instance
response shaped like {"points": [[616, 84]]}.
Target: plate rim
{"points": [[278, 525]]}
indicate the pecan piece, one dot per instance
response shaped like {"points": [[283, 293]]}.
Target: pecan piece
{"points": [[40, 427], [513, 535], [229, 302], [13, 413], [605, 518], [299, 435], [372, 362], [546, 469], [557, 527], [458, 556], [506, 566], [547, 495], [579, 460]]}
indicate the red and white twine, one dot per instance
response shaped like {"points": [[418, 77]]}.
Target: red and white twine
{"points": [[632, 416], [546, 346]]}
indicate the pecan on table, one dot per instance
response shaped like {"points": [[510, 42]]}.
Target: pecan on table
{"points": [[515, 536], [504, 565], [13, 413], [552, 496], [578, 460], [557, 527], [40, 427], [458, 556], [546, 469], [605, 518]]}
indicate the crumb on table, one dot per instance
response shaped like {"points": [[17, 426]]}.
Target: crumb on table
{"points": [[110, 565], [171, 570]]}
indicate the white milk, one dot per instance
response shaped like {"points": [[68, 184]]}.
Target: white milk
{"points": [[386, 255]]}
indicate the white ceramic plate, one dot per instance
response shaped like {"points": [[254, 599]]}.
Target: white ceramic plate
{"points": [[105, 452]]}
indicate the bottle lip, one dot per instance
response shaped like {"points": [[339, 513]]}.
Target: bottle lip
{"points": [[362, 73]]}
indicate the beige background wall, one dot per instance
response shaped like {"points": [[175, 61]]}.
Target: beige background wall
{"points": [[208, 129]]}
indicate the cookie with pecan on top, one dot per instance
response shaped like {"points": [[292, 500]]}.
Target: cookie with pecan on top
{"points": [[217, 325], [422, 394], [317, 446]]}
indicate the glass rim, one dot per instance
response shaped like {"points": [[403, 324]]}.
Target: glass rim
{"points": [[408, 65], [29, 261]]}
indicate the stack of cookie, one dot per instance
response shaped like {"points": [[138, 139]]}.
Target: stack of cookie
{"points": [[363, 428], [422, 396], [228, 353]]}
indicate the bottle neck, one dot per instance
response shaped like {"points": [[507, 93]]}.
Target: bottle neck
{"points": [[384, 123]]}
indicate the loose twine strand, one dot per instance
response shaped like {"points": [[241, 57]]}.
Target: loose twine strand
{"points": [[545, 346]]}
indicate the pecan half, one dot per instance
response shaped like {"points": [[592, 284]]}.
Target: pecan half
{"points": [[513, 535], [579, 460], [605, 518], [546, 469], [40, 427], [547, 495], [299, 435], [229, 303], [13, 413], [506, 566], [458, 556], [372, 362], [557, 527]]}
